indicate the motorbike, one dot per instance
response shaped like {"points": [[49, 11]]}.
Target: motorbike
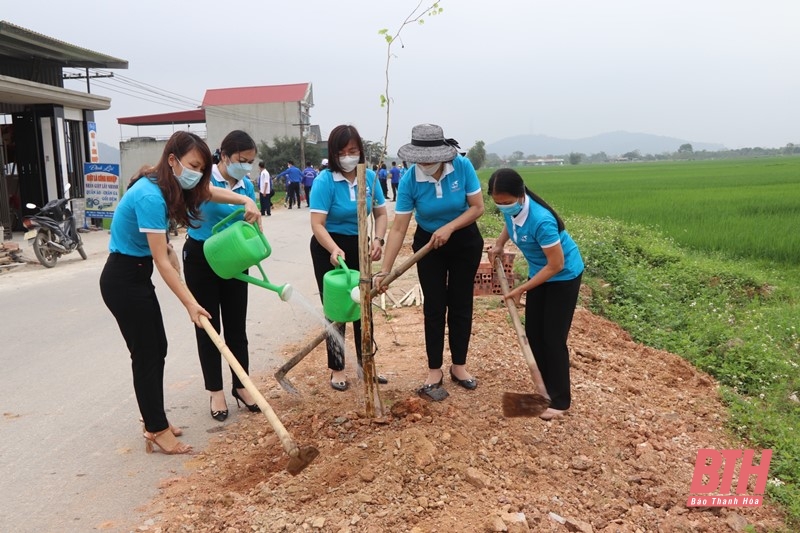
{"points": [[53, 232]]}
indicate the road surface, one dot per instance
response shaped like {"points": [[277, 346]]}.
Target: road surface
{"points": [[72, 454]]}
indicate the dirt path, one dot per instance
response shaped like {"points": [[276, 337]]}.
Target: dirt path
{"points": [[622, 461]]}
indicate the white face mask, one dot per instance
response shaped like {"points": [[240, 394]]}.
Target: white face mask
{"points": [[349, 162], [429, 169]]}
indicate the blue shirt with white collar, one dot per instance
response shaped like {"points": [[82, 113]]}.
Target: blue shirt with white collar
{"points": [[435, 203], [213, 212], [534, 229], [335, 197], [141, 210]]}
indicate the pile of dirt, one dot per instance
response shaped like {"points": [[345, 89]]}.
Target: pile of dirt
{"points": [[621, 461]]}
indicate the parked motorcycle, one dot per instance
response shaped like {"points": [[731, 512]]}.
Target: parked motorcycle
{"points": [[53, 232]]}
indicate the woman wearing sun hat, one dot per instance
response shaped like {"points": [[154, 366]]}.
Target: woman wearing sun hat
{"points": [[442, 190]]}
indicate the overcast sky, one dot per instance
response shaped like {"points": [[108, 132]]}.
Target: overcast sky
{"points": [[719, 71]]}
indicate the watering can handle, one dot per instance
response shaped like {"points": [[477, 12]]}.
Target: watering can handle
{"points": [[342, 263], [218, 225]]}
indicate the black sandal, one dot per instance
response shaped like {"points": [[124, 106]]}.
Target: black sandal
{"points": [[433, 392], [339, 385]]}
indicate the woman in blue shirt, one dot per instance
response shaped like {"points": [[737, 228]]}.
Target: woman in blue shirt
{"points": [[443, 191], [555, 268], [171, 190], [334, 222], [226, 299]]}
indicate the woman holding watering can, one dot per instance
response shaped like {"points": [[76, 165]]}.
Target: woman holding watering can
{"points": [[555, 268], [334, 222], [171, 190], [443, 191], [225, 299]]}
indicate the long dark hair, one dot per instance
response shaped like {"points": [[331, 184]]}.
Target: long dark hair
{"points": [[183, 205], [337, 140], [235, 142], [508, 181]]}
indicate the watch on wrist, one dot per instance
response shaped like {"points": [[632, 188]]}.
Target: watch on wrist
{"points": [[380, 240]]}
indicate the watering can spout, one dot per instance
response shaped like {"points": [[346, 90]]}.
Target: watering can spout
{"points": [[285, 292]]}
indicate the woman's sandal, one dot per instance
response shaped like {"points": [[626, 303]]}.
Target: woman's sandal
{"points": [[169, 445], [175, 430]]}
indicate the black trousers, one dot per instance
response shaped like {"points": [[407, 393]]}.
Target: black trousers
{"points": [[225, 299], [130, 295], [447, 276], [266, 203], [293, 193], [308, 194], [384, 188], [394, 191], [322, 264], [549, 309]]}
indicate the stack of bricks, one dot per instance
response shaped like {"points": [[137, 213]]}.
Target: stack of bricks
{"points": [[486, 282]]}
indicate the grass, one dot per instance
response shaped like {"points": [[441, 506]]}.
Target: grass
{"points": [[717, 292]]}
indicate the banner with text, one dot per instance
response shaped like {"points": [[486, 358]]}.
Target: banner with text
{"points": [[101, 186]]}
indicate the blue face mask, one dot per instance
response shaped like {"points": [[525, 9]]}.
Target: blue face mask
{"points": [[511, 210], [238, 170], [188, 178]]}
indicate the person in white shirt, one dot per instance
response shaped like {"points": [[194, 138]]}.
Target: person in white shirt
{"points": [[265, 190]]}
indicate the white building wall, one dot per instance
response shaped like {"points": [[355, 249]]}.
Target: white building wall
{"points": [[263, 122], [136, 153]]}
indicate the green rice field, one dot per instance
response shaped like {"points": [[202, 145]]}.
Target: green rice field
{"points": [[741, 208]]}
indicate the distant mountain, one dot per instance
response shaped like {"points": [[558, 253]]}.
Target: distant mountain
{"points": [[107, 153], [613, 143]]}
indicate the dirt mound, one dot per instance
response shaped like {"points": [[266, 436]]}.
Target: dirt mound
{"points": [[622, 460]]}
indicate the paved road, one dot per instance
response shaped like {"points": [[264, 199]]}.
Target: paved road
{"points": [[71, 453]]}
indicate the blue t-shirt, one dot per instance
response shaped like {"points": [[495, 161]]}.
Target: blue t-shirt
{"points": [[293, 175], [142, 210], [212, 212], [333, 195], [382, 174], [308, 176], [395, 172], [437, 203], [534, 229]]}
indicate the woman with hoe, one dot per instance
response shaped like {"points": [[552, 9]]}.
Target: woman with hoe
{"points": [[555, 268], [171, 190]]}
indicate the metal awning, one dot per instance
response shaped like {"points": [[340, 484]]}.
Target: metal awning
{"points": [[24, 44], [24, 92]]}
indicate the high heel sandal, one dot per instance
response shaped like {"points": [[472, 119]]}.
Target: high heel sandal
{"points": [[175, 430], [219, 416], [252, 408], [152, 438]]}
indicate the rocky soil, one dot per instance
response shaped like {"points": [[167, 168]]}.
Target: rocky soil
{"points": [[621, 461]]}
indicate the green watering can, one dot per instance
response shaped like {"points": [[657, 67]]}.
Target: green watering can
{"points": [[339, 286], [238, 247]]}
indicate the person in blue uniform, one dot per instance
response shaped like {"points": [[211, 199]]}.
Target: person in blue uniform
{"points": [[225, 299], [293, 178], [442, 191], [334, 223], [555, 268], [395, 179], [173, 189]]}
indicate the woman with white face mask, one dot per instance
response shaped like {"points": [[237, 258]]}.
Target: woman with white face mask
{"points": [[225, 299], [443, 192], [174, 189], [334, 222]]}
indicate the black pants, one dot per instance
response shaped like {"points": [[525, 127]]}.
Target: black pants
{"points": [[322, 264], [308, 194], [548, 316], [447, 276], [394, 191], [226, 298], [266, 204], [384, 188], [130, 295], [293, 193]]}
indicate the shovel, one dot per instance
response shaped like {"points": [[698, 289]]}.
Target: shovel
{"points": [[299, 458], [519, 404], [280, 375]]}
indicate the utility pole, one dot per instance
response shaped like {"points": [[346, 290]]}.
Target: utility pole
{"points": [[302, 139], [87, 76]]}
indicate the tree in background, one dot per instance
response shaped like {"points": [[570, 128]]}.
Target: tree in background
{"points": [[493, 160], [477, 154], [575, 158], [373, 152], [685, 149], [287, 149]]}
